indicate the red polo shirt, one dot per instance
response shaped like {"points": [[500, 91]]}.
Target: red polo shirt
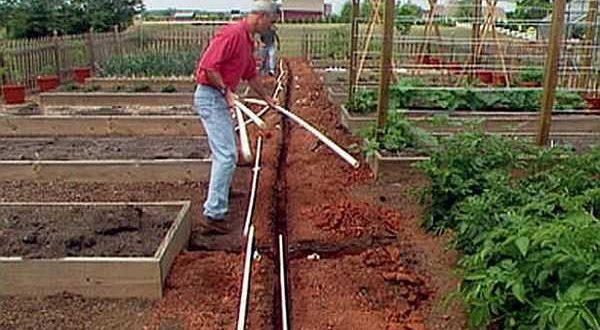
{"points": [[231, 53]]}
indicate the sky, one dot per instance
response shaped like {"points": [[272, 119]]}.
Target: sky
{"points": [[226, 5]]}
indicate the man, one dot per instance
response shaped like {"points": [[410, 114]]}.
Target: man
{"points": [[228, 58], [268, 40]]}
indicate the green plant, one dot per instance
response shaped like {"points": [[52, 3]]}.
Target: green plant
{"points": [[363, 101], [531, 74], [91, 88], [47, 70], [528, 238], [151, 64], [144, 88], [80, 56], [398, 135], [169, 89]]}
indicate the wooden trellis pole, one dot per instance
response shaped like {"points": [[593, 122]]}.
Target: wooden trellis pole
{"points": [[551, 71], [590, 36], [353, 45], [386, 57], [430, 25], [490, 24], [475, 36]]}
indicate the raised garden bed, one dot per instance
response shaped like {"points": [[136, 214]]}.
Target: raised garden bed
{"points": [[109, 99], [104, 159], [93, 249], [180, 84], [393, 168], [91, 125], [562, 122]]}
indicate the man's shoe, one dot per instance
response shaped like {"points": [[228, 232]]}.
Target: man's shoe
{"points": [[271, 73], [212, 226]]}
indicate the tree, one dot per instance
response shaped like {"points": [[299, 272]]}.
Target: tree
{"points": [[346, 13], [406, 16], [36, 18], [532, 9]]}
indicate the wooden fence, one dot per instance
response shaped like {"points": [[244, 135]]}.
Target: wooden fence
{"points": [[23, 60]]}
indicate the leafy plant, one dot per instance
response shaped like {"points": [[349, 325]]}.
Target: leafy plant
{"points": [[144, 88], [529, 238], [363, 101], [531, 74], [169, 89], [398, 135], [151, 64]]}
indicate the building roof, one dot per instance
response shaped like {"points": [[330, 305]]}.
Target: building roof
{"points": [[303, 5], [184, 14]]}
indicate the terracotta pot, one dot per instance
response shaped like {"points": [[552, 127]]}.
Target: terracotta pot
{"points": [[593, 102], [435, 61], [13, 94], [454, 67], [425, 59], [486, 77], [79, 74], [500, 79], [47, 83]]}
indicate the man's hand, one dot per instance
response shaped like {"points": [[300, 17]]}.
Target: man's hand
{"points": [[229, 97]]}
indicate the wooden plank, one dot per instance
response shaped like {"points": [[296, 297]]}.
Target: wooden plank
{"points": [[123, 171], [181, 84], [175, 240], [392, 169], [492, 122], [114, 99], [98, 278], [101, 126]]}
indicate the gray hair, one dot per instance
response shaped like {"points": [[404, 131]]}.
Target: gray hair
{"points": [[264, 6]]}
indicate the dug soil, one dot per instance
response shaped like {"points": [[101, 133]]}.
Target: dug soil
{"points": [[103, 148], [83, 230]]}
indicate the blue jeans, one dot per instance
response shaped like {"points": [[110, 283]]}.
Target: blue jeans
{"points": [[216, 119], [268, 55]]}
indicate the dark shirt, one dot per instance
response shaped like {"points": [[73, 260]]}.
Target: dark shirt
{"points": [[268, 37]]}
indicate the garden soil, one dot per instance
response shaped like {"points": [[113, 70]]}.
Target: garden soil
{"points": [[358, 258]]}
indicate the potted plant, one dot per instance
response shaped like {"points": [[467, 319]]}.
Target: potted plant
{"points": [[593, 101], [81, 71], [486, 76], [13, 91], [47, 80], [531, 77]]}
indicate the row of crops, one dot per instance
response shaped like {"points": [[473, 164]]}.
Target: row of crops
{"points": [[525, 218], [413, 93], [151, 64]]}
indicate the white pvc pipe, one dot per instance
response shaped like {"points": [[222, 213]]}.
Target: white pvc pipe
{"points": [[244, 143], [241, 322], [264, 110], [284, 316], [251, 115], [337, 149], [252, 201]]}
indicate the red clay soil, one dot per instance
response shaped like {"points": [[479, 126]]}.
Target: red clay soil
{"points": [[380, 287], [202, 293]]}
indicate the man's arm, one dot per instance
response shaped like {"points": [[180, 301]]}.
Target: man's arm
{"points": [[216, 80], [258, 88]]}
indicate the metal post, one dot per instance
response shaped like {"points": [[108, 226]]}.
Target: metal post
{"points": [[590, 37], [551, 71], [353, 47], [386, 55]]}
